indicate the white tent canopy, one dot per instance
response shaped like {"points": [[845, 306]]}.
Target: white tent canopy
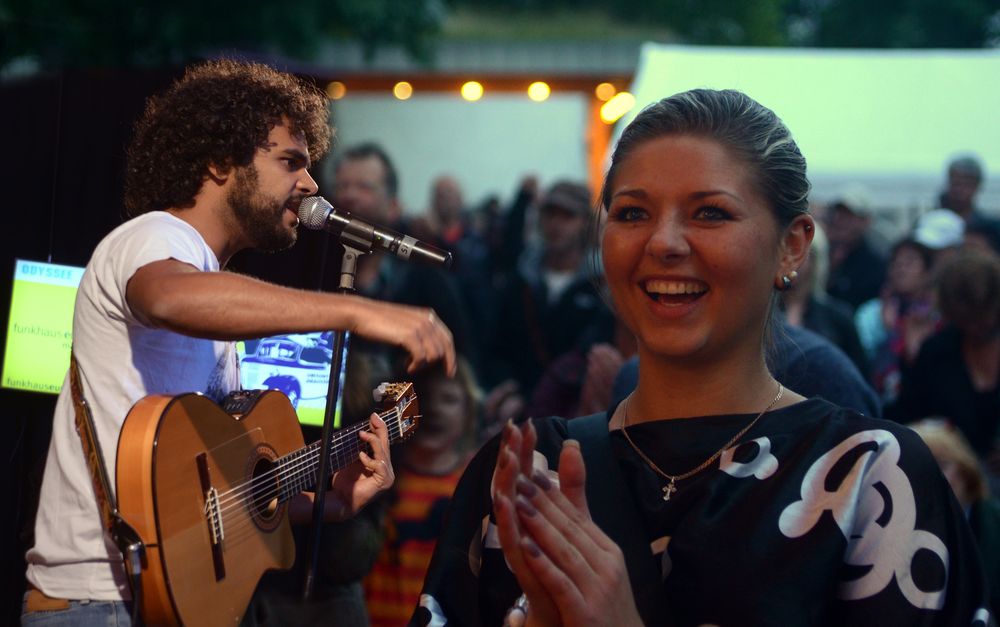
{"points": [[888, 119]]}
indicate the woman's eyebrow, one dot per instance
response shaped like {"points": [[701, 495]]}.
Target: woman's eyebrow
{"points": [[713, 192], [632, 192]]}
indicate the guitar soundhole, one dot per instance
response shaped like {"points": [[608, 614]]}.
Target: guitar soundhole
{"points": [[265, 506]]}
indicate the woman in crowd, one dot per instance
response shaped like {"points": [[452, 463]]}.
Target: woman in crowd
{"points": [[893, 326], [957, 371], [711, 495]]}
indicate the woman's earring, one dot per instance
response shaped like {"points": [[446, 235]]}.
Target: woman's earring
{"points": [[787, 280]]}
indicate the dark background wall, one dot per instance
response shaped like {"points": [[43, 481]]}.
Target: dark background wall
{"points": [[62, 167]]}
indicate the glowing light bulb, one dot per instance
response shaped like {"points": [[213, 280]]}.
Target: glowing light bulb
{"points": [[402, 90], [618, 106], [336, 90], [539, 91], [605, 92], [472, 91]]}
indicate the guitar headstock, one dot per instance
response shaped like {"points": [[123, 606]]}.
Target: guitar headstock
{"points": [[398, 400]]}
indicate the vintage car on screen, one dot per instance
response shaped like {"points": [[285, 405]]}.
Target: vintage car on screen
{"points": [[295, 364]]}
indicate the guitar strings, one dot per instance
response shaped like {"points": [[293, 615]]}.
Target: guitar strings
{"points": [[232, 529], [291, 483], [293, 468], [300, 469], [310, 450], [245, 507], [233, 521]]}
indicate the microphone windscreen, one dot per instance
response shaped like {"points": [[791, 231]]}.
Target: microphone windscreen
{"points": [[313, 212]]}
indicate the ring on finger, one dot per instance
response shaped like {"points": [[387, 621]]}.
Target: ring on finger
{"points": [[520, 606]]}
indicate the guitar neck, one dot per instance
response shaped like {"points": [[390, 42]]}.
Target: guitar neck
{"points": [[297, 471]]}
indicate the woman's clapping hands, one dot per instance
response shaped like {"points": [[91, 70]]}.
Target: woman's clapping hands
{"points": [[570, 571]]}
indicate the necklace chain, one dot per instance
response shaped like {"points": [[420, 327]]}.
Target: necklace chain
{"points": [[670, 488]]}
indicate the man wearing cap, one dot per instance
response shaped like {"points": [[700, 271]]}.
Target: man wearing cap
{"points": [[550, 300], [939, 229], [857, 268]]}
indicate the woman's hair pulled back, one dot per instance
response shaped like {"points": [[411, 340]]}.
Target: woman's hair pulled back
{"points": [[741, 124]]}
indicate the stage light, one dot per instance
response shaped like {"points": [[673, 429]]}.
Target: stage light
{"points": [[472, 91], [539, 91], [402, 90], [336, 90], [618, 106], [605, 92]]}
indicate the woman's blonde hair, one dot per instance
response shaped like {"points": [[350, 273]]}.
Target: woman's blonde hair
{"points": [[947, 444]]}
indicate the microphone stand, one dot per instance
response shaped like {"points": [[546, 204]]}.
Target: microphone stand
{"points": [[354, 247]]}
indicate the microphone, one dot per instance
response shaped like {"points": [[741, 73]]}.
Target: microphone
{"points": [[316, 213]]}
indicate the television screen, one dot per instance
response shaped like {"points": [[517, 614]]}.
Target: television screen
{"points": [[40, 326], [40, 335], [297, 364]]}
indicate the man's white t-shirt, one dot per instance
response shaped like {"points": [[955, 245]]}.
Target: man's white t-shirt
{"points": [[120, 361]]}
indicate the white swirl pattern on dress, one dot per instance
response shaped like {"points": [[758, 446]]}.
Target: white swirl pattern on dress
{"points": [[762, 466], [887, 548]]}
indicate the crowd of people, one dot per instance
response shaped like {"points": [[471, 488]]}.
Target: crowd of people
{"points": [[634, 399]]}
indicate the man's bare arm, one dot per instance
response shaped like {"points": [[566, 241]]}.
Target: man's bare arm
{"points": [[174, 295]]}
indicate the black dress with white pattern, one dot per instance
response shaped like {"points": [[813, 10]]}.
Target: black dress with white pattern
{"points": [[818, 516]]}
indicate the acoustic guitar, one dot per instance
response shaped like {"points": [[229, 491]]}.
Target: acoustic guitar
{"points": [[206, 489]]}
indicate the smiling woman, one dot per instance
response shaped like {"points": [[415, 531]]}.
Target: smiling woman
{"points": [[711, 495], [688, 251]]}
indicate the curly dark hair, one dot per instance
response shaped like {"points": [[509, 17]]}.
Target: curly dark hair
{"points": [[218, 114]]}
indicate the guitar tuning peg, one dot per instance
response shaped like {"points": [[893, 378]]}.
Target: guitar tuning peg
{"points": [[379, 392]]}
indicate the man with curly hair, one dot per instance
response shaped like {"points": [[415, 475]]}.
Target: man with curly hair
{"points": [[219, 163]]}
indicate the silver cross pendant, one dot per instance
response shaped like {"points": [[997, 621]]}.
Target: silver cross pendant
{"points": [[668, 490]]}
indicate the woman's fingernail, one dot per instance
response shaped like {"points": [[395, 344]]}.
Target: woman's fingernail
{"points": [[525, 487], [530, 546], [541, 480], [524, 507], [572, 443]]}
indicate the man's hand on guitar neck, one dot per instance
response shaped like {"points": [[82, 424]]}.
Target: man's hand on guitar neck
{"points": [[355, 485]]}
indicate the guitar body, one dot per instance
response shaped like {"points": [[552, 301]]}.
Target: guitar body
{"points": [[182, 474]]}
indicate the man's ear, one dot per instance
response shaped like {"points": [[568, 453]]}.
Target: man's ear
{"points": [[795, 243], [219, 174]]}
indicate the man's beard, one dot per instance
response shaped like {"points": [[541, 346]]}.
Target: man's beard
{"points": [[260, 217]]}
